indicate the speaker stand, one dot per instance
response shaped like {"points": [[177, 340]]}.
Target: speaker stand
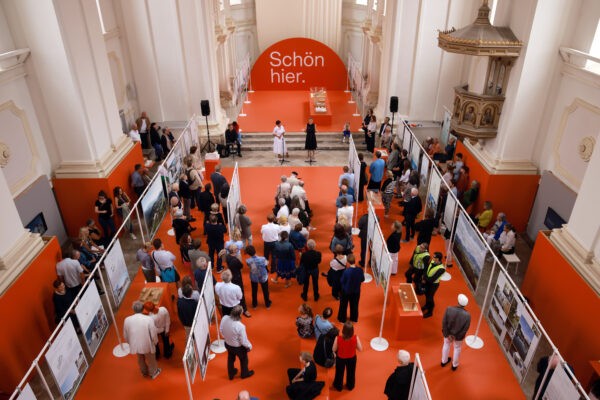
{"points": [[209, 146]]}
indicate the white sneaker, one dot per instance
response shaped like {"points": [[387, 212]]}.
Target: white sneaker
{"points": [[158, 370], [133, 236]]}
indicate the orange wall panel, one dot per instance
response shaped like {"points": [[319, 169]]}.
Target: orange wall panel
{"points": [[27, 316], [76, 197], [511, 194], [566, 306]]}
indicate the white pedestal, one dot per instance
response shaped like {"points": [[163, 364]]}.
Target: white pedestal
{"points": [[379, 344], [474, 342], [121, 350], [368, 278], [218, 346], [445, 277]]}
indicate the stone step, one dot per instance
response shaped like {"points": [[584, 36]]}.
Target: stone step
{"points": [[295, 141]]}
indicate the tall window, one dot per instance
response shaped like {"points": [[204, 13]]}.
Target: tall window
{"points": [[100, 16], [362, 2], [235, 2]]}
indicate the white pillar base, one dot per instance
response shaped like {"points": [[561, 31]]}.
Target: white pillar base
{"points": [[474, 342], [379, 344], [121, 350], [218, 346]]}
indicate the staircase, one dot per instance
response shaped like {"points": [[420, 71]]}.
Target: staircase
{"points": [[331, 141]]}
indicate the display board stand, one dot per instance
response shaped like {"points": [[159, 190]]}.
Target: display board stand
{"points": [[122, 349], [218, 346], [474, 341]]}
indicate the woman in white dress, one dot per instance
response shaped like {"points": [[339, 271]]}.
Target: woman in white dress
{"points": [[278, 141]]}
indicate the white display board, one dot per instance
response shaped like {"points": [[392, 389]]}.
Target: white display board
{"points": [[449, 211], [208, 294], [433, 196], [234, 199], [372, 219], [190, 358], [385, 267], [26, 393], [154, 207], [415, 153], [202, 337], [445, 127], [560, 386], [66, 360], [376, 248], [406, 136], [116, 270], [469, 249], [193, 133], [354, 165], [513, 325], [424, 170], [420, 391], [92, 317]]}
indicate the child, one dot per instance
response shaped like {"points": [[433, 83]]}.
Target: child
{"points": [[346, 132]]}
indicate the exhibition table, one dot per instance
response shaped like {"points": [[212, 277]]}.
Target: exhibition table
{"points": [[375, 199], [407, 324], [161, 294], [384, 153], [319, 108]]}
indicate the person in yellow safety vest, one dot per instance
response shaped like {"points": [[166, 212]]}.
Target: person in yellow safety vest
{"points": [[432, 276], [418, 261]]}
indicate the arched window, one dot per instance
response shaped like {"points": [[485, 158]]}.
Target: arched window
{"points": [[595, 52]]}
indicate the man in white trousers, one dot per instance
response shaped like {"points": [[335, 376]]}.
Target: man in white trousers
{"points": [[455, 325]]}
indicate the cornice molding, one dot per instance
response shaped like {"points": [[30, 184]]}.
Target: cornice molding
{"points": [[95, 169], [497, 166], [583, 261], [18, 258]]}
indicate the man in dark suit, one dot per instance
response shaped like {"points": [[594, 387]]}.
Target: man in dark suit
{"points": [[412, 208], [218, 181], [384, 124], [231, 137]]}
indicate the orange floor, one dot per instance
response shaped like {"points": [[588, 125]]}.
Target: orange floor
{"points": [[483, 374], [291, 107]]}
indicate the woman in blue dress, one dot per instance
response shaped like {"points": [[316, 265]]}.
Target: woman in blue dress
{"points": [[286, 259]]}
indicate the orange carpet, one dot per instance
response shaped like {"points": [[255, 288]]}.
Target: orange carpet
{"points": [[483, 374], [291, 107]]}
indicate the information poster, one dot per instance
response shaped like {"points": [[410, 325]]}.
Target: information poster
{"points": [[514, 326], [174, 166], [560, 386], [26, 393], [233, 199], [194, 134], [469, 249], [92, 318], [435, 183], [371, 223], [449, 211], [202, 338], [377, 248], [190, 357], [424, 170], [415, 154], [66, 360], [208, 295], [116, 269], [384, 270], [154, 207]]}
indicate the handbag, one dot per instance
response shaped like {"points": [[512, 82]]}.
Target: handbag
{"points": [[329, 361], [168, 275]]}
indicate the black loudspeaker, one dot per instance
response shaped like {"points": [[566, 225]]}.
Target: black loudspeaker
{"points": [[393, 104], [205, 107]]}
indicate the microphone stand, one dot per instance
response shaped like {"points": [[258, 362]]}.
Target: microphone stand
{"points": [[283, 160]]}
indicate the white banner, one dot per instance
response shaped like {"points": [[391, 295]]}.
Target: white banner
{"points": [[116, 270], [445, 127], [433, 196], [560, 386], [513, 325], [202, 337], [27, 393], [415, 153], [92, 318], [66, 360], [406, 138], [424, 170], [469, 249], [234, 199], [449, 211], [208, 294]]}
